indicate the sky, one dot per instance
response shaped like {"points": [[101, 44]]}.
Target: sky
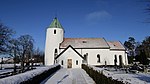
{"points": [[115, 20]]}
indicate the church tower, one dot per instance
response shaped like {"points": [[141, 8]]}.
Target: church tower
{"points": [[54, 36]]}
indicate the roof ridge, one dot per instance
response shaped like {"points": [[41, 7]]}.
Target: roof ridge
{"points": [[113, 41], [83, 38]]}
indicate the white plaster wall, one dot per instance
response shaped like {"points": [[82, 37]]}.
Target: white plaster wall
{"points": [[60, 50], [52, 43], [78, 50], [122, 53], [70, 54], [105, 55], [126, 61], [92, 56]]}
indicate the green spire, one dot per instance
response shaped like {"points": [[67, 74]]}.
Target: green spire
{"points": [[55, 24]]}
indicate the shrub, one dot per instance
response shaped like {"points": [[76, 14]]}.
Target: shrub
{"points": [[39, 78], [98, 77]]}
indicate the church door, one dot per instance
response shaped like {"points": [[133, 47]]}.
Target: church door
{"points": [[69, 65]]}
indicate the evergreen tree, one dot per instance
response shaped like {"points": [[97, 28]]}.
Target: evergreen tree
{"points": [[130, 46]]}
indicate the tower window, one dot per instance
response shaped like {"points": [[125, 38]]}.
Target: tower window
{"points": [[54, 31], [55, 52], [62, 63], [76, 62], [98, 58]]}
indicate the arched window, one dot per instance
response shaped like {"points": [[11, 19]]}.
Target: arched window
{"points": [[98, 58], [86, 58], [105, 63], [55, 52], [120, 61], [62, 63], [54, 31], [115, 60]]}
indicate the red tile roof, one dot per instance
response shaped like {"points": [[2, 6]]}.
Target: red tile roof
{"points": [[84, 43], [115, 45], [91, 43]]}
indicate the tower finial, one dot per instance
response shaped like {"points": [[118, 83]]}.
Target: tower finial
{"points": [[56, 15]]}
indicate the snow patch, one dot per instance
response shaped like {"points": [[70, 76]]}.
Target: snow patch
{"points": [[17, 79], [127, 78]]}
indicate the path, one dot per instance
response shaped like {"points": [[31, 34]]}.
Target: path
{"points": [[70, 76]]}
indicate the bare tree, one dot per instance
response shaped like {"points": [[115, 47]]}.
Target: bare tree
{"points": [[26, 49], [38, 56], [5, 36], [13, 51]]}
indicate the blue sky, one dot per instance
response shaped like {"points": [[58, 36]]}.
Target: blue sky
{"points": [[111, 19]]}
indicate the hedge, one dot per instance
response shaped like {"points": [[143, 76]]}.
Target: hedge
{"points": [[39, 78], [98, 77]]}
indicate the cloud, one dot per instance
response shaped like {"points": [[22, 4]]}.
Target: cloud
{"points": [[98, 16]]}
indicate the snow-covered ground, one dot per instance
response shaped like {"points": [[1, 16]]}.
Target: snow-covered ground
{"points": [[17, 79], [69, 76], [9, 65], [5, 71], [127, 78], [5, 59]]}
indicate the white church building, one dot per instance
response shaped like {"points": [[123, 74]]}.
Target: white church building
{"points": [[72, 52]]}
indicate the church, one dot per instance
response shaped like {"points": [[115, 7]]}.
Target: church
{"points": [[72, 52]]}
